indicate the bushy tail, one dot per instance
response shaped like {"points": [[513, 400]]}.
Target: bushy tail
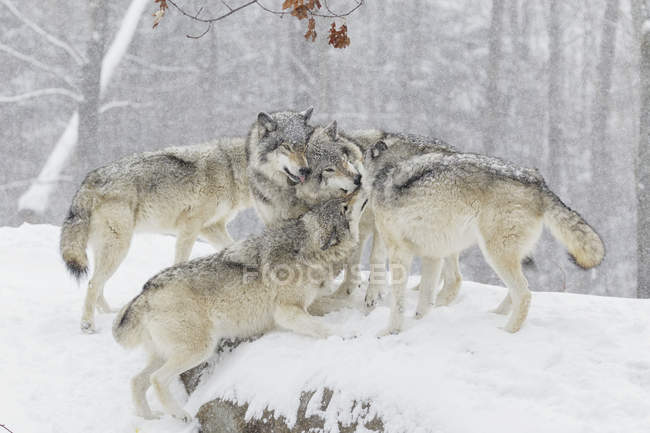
{"points": [[74, 233], [584, 245], [127, 327]]}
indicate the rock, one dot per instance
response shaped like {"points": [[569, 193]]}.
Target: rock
{"points": [[222, 416]]}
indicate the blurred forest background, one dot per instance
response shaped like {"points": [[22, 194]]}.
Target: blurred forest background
{"points": [[549, 84]]}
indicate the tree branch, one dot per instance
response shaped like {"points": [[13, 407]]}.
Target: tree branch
{"points": [[42, 92], [195, 17], [34, 62], [161, 68], [122, 104], [78, 58], [232, 10]]}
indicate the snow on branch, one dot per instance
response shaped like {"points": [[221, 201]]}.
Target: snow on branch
{"points": [[159, 68], [121, 42], [37, 196], [37, 63], [42, 92], [123, 104], [78, 58]]}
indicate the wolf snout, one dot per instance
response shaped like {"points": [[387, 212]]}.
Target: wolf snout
{"points": [[303, 173]]}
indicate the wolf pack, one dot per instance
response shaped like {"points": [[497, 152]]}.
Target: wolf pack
{"points": [[322, 194]]}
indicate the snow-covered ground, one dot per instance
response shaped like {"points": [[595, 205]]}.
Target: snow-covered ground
{"points": [[580, 364]]}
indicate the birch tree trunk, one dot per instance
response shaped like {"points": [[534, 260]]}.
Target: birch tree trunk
{"points": [[643, 167]]}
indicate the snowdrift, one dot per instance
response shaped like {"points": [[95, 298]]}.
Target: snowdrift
{"points": [[580, 363]]}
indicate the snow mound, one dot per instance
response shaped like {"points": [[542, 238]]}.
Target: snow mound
{"points": [[580, 363]]}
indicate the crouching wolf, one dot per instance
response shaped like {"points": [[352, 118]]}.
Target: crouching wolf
{"points": [[436, 205], [188, 191], [246, 289]]}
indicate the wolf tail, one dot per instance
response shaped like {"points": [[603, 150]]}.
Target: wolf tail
{"points": [[127, 326], [75, 231], [585, 247]]}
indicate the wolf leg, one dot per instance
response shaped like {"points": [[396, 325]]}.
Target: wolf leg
{"points": [[377, 281], [217, 235], [453, 280], [139, 385], [295, 319], [504, 306], [399, 262], [352, 278], [182, 359], [110, 245], [185, 241], [508, 267], [430, 277]]}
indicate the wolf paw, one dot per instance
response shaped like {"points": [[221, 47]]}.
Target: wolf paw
{"points": [[87, 327], [388, 331], [183, 416], [369, 304], [345, 289]]}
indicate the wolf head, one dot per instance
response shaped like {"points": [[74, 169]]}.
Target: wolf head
{"points": [[277, 144], [336, 166], [336, 220]]}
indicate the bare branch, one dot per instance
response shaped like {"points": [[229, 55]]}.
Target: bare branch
{"points": [[123, 104], [34, 62], [226, 5], [52, 39], [199, 36], [162, 68], [232, 10], [42, 92], [22, 183], [211, 20]]}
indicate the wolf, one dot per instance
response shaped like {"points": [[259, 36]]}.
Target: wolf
{"points": [[189, 191], [436, 205], [276, 163], [246, 289], [336, 162]]}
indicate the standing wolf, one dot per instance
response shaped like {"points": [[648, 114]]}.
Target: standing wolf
{"points": [[436, 205], [336, 162], [248, 288], [189, 191]]}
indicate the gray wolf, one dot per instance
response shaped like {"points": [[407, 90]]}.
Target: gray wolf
{"points": [[276, 163], [435, 205], [189, 191], [336, 162], [246, 289]]}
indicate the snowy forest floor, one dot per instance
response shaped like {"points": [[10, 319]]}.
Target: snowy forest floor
{"points": [[580, 364]]}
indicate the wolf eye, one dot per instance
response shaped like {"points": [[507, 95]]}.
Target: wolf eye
{"points": [[329, 170]]}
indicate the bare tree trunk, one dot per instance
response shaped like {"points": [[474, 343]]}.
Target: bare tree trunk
{"points": [[643, 167], [493, 109], [601, 111], [555, 99], [89, 153]]}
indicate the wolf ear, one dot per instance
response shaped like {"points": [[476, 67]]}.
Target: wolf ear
{"points": [[331, 240], [378, 148], [307, 114], [332, 130], [266, 121]]}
